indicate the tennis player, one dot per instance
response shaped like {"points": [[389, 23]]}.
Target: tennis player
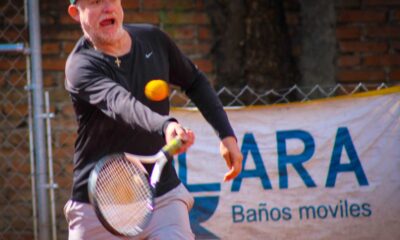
{"points": [[105, 76]]}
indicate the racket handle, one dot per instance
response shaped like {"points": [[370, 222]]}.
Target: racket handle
{"points": [[157, 170], [172, 148], [168, 150]]}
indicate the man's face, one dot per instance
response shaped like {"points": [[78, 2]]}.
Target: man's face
{"points": [[101, 20]]}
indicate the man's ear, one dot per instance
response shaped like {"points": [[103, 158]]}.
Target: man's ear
{"points": [[73, 11]]}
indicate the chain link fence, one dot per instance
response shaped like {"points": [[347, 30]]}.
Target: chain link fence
{"points": [[16, 221], [248, 96]]}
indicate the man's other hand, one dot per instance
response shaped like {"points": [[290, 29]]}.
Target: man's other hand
{"points": [[233, 157]]}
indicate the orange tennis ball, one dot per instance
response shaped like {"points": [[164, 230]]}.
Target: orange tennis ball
{"points": [[156, 90]]}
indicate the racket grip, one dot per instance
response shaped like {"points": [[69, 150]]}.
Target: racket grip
{"points": [[172, 148], [156, 174]]}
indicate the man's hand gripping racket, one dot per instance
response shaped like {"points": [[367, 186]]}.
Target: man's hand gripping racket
{"points": [[120, 193]]}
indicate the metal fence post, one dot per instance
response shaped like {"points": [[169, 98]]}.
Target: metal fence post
{"points": [[38, 121], [52, 185]]}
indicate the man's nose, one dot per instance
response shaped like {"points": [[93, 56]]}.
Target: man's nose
{"points": [[109, 6]]}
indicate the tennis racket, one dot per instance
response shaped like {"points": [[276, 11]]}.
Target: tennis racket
{"points": [[120, 192]]}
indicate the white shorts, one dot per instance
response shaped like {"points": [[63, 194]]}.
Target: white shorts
{"points": [[170, 219]]}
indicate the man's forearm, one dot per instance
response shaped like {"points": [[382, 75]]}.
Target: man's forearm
{"points": [[207, 101]]}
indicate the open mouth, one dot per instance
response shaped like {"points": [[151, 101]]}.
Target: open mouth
{"points": [[107, 22]]}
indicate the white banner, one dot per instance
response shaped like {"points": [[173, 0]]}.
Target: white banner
{"points": [[326, 169]]}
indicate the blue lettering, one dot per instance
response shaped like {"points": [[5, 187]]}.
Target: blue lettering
{"points": [[367, 209], [343, 140], [296, 160], [322, 212], [237, 213], [277, 216], [251, 215], [249, 145]]}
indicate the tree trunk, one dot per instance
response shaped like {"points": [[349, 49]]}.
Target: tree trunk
{"points": [[252, 44]]}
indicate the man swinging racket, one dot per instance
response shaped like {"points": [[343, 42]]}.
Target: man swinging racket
{"points": [[106, 75]]}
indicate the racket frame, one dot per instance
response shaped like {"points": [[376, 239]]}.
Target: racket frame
{"points": [[93, 199]]}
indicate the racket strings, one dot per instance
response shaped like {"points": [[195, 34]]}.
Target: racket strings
{"points": [[124, 195]]}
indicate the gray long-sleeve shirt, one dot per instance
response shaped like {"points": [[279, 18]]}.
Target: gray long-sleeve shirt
{"points": [[112, 111]]}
